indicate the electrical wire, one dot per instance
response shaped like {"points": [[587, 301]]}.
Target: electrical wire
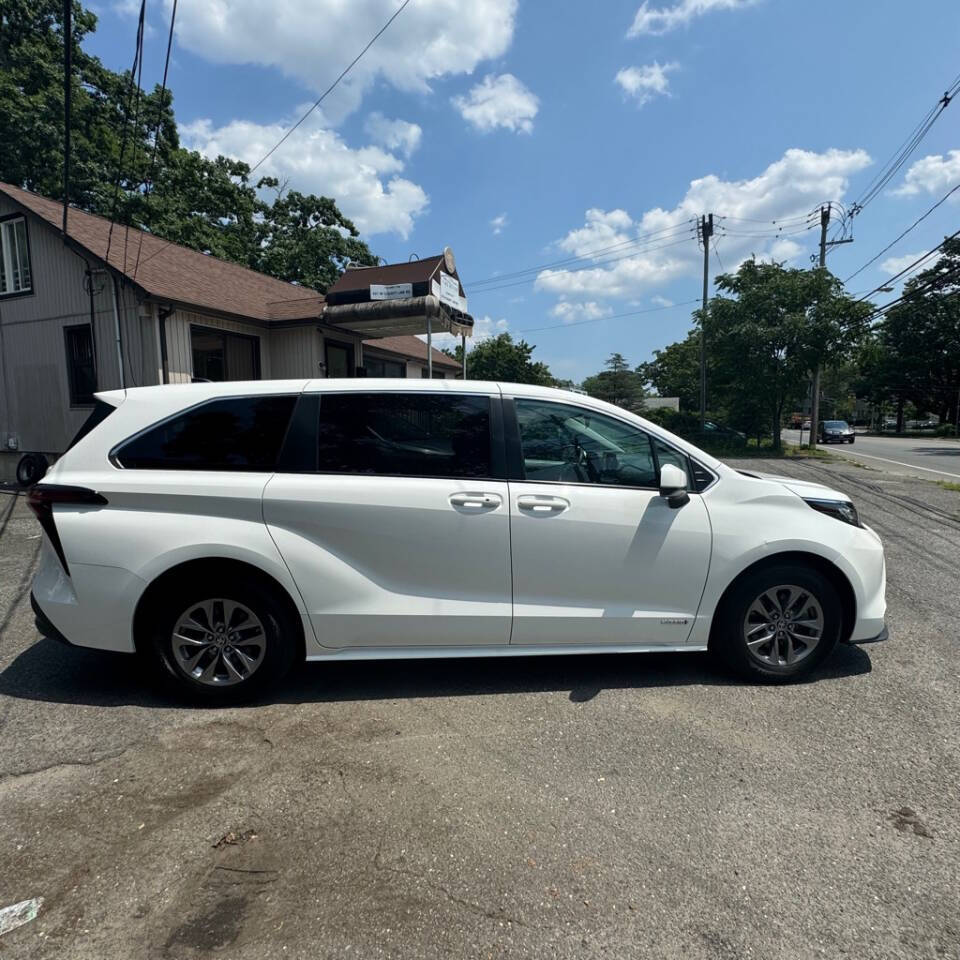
{"points": [[676, 229], [892, 243], [156, 134], [330, 89], [616, 316]]}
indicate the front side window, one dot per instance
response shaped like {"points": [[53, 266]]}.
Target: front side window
{"points": [[407, 435], [565, 444], [14, 257], [81, 369], [235, 433]]}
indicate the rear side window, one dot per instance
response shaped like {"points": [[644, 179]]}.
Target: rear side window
{"points": [[236, 433], [408, 435]]}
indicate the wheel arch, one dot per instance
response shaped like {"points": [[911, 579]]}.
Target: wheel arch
{"points": [[845, 591], [198, 567]]}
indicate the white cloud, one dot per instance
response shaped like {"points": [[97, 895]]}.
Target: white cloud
{"points": [[646, 82], [312, 42], [893, 265], [484, 328], [501, 101], [659, 301], [663, 19], [365, 182], [932, 174], [791, 186], [567, 312], [393, 134], [498, 223]]}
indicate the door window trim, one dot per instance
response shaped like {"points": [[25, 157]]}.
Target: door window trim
{"points": [[514, 449], [295, 453]]}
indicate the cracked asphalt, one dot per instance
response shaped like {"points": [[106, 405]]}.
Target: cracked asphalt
{"points": [[557, 807]]}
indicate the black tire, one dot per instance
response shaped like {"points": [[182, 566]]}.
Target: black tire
{"points": [[729, 644], [281, 637], [852, 439], [31, 469]]}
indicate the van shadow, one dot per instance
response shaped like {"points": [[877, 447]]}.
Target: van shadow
{"points": [[50, 672]]}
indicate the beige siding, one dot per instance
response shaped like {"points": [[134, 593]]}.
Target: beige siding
{"points": [[180, 352], [35, 405], [296, 352]]}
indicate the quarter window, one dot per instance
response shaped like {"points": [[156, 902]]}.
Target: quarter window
{"points": [[81, 369], [235, 433], [407, 435], [14, 257], [565, 444]]}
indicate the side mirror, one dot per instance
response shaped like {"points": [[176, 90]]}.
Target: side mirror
{"points": [[673, 486]]}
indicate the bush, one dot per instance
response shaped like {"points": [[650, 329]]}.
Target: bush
{"points": [[945, 430]]}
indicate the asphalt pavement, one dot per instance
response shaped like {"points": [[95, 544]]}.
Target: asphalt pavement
{"points": [[602, 806], [931, 457]]}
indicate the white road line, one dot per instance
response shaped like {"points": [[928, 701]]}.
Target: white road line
{"points": [[900, 463]]}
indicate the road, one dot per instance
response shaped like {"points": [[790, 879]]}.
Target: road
{"points": [[591, 807], [932, 457]]}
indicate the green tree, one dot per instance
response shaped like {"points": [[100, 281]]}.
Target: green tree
{"points": [[499, 358], [618, 384], [920, 338], [674, 371], [180, 195]]}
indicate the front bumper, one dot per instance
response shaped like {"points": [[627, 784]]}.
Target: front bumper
{"points": [[884, 634], [43, 624]]}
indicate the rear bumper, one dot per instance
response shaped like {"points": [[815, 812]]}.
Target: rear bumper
{"points": [[44, 626]]}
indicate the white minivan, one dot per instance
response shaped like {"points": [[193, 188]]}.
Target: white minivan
{"points": [[228, 530]]}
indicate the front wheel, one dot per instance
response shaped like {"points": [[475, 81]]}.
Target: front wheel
{"points": [[221, 641], [778, 623]]}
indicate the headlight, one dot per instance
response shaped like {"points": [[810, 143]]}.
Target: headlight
{"points": [[840, 509]]}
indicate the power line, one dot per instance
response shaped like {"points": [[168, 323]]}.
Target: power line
{"points": [[330, 89], [892, 243], [915, 263], [683, 227], [156, 133], [592, 266], [616, 316]]}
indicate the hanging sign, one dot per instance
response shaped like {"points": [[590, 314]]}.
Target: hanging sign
{"points": [[450, 293], [391, 291]]}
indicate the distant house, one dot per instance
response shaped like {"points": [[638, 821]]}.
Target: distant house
{"points": [[106, 306]]}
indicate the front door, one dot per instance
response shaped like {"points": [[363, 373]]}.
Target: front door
{"points": [[598, 556], [339, 359], [398, 534]]}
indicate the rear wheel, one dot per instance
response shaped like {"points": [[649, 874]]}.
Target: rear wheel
{"points": [[778, 623], [223, 640]]}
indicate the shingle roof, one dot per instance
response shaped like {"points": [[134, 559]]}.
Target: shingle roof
{"points": [[172, 272], [416, 271], [409, 346]]}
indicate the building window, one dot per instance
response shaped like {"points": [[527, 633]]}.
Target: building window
{"points": [[339, 359], [81, 367], [376, 367], [218, 355], [437, 374], [14, 257]]}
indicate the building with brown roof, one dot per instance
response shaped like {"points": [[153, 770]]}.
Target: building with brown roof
{"points": [[106, 306]]}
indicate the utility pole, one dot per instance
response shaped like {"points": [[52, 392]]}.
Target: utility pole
{"points": [[705, 230], [67, 85], [815, 392]]}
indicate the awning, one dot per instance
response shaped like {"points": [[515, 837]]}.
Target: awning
{"points": [[387, 318]]}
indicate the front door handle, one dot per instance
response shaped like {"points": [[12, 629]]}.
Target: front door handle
{"points": [[476, 501], [541, 505]]}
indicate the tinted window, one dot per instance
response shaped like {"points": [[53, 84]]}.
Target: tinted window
{"points": [[239, 433], [567, 444], [410, 435]]}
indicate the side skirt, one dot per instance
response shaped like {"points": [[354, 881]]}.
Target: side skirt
{"points": [[441, 653]]}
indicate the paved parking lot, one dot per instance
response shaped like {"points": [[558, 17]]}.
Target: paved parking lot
{"points": [[581, 807]]}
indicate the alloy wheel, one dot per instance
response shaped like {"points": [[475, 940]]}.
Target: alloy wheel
{"points": [[218, 642], [783, 625]]}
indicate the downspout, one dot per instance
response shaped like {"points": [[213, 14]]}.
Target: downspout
{"points": [[162, 330], [118, 337]]}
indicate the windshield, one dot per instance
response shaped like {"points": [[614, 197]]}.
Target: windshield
{"points": [[836, 424]]}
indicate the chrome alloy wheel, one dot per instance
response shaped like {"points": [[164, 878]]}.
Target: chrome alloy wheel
{"points": [[218, 642], [783, 625]]}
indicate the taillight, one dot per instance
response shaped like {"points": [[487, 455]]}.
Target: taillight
{"points": [[43, 496]]}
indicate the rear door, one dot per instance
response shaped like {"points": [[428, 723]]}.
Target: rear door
{"points": [[392, 514], [598, 555]]}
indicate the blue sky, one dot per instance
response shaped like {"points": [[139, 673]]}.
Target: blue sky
{"points": [[525, 133]]}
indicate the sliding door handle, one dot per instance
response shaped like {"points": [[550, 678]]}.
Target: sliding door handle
{"points": [[542, 505]]}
